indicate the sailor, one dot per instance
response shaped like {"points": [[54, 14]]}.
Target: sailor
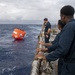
{"points": [[66, 46], [54, 45], [47, 30]]}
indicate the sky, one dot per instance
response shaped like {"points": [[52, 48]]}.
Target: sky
{"points": [[31, 11]]}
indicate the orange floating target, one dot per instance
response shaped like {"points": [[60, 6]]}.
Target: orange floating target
{"points": [[18, 34]]}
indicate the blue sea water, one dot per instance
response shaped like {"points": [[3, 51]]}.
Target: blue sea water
{"points": [[16, 56]]}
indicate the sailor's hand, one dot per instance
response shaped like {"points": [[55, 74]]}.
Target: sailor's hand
{"points": [[46, 36], [40, 56], [39, 49], [42, 49], [42, 43]]}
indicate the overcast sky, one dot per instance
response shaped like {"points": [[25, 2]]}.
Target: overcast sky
{"points": [[32, 10]]}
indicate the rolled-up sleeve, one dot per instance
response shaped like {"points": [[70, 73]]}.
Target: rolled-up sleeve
{"points": [[65, 42]]}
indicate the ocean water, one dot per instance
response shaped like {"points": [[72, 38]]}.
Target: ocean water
{"points": [[16, 56]]}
